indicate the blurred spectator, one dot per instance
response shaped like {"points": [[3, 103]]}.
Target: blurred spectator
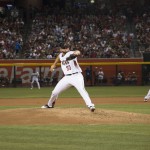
{"points": [[118, 79], [95, 74], [133, 78], [100, 76], [17, 47], [88, 75], [4, 81]]}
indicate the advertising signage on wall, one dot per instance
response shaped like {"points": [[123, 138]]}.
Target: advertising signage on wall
{"points": [[12, 69], [24, 73]]}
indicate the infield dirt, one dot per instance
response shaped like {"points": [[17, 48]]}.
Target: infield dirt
{"points": [[67, 114]]}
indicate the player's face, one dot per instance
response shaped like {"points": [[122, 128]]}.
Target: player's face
{"points": [[64, 50]]}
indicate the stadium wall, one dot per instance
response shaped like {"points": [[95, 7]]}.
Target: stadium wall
{"points": [[12, 69]]}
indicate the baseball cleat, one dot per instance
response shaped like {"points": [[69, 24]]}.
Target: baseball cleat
{"points": [[145, 99], [46, 106], [92, 108]]}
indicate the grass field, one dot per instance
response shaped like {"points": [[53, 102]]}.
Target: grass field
{"points": [[131, 136], [75, 137], [98, 91]]}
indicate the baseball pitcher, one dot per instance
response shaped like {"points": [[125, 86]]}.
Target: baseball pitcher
{"points": [[72, 77]]}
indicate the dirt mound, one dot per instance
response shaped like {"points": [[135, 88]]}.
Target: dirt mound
{"points": [[37, 116]]}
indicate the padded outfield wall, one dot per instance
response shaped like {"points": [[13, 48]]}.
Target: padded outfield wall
{"points": [[14, 69]]}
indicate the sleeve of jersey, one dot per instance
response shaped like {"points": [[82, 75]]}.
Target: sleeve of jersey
{"points": [[71, 56]]}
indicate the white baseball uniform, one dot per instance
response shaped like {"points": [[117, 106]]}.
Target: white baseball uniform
{"points": [[147, 97], [72, 77], [34, 78]]}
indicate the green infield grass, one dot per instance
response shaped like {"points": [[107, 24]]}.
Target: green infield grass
{"points": [[98, 91]]}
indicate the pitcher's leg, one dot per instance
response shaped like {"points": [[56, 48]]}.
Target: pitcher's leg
{"points": [[60, 87], [147, 97], [79, 85]]}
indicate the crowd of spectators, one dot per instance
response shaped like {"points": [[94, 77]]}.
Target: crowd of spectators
{"points": [[97, 36], [11, 36], [142, 28], [96, 31]]}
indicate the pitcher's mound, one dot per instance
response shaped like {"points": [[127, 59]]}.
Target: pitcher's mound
{"points": [[37, 116]]}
